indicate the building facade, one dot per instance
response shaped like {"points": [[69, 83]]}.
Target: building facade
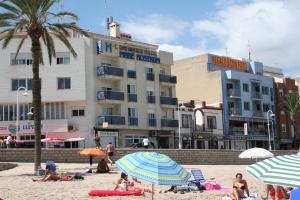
{"points": [[121, 89], [246, 95]]}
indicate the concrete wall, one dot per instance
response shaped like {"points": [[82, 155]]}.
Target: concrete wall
{"points": [[188, 157]]}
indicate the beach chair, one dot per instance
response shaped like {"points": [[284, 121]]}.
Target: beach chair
{"points": [[295, 194], [198, 176]]}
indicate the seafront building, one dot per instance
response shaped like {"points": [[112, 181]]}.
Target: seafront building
{"points": [[245, 93], [116, 87]]}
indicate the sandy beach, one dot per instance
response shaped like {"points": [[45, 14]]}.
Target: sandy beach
{"points": [[17, 184]]}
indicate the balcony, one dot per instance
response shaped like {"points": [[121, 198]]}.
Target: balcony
{"points": [[133, 121], [152, 122], [150, 76], [110, 72], [234, 112], [232, 93], [110, 96], [132, 97], [169, 123], [131, 74], [167, 79], [151, 99], [111, 120], [256, 95], [168, 101], [257, 113]]}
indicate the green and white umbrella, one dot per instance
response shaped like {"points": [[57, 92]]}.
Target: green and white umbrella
{"points": [[279, 170]]}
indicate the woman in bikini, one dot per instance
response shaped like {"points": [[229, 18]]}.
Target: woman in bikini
{"points": [[52, 177], [239, 187]]}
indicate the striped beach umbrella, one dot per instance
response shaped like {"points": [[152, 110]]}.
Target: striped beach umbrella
{"points": [[154, 168], [279, 170]]}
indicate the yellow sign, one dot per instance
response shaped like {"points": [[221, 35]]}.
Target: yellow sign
{"points": [[229, 62], [105, 125]]}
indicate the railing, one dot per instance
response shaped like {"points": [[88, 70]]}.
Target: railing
{"points": [[108, 70], [150, 76], [152, 122], [233, 93], [256, 95], [168, 100], [131, 74], [167, 78], [151, 98], [257, 113], [169, 123], [132, 97], [133, 121], [234, 112], [111, 119], [110, 95]]}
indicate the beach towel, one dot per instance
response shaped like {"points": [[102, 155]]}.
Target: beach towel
{"points": [[211, 185], [105, 193]]}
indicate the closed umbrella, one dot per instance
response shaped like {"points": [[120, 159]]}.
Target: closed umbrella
{"points": [[279, 170], [93, 152], [256, 153], [154, 168]]}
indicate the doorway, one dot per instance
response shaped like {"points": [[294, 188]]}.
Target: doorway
{"points": [[163, 142]]}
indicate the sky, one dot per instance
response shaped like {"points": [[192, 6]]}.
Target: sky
{"points": [[268, 28]]}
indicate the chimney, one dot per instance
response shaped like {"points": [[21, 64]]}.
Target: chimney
{"points": [[114, 29]]}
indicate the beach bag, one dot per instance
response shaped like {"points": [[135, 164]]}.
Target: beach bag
{"points": [[211, 185]]}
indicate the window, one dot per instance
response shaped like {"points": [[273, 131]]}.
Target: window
{"points": [[62, 60], [150, 93], [265, 90], [246, 105], [283, 128], [211, 122], [151, 115], [186, 121], [281, 93], [22, 61], [272, 94], [149, 70], [132, 113], [131, 89], [290, 91], [266, 107], [130, 140], [282, 112], [16, 83], [78, 112], [245, 87], [63, 83]]}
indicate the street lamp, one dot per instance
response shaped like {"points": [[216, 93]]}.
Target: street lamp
{"points": [[270, 112], [179, 124], [24, 93]]}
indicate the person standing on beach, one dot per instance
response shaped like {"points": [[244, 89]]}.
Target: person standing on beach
{"points": [[97, 141], [8, 141], [110, 149]]}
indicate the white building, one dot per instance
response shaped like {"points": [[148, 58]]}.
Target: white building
{"points": [[119, 88]]}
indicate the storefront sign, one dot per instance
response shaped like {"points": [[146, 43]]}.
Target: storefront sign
{"points": [[148, 58], [229, 62], [26, 127], [106, 47], [108, 133]]}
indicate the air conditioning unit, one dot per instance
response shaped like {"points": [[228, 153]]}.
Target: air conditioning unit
{"points": [[71, 128], [153, 134]]}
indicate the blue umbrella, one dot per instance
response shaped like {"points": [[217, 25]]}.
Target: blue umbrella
{"points": [[154, 168]]}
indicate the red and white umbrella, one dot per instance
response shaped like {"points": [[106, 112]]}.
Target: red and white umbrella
{"points": [[75, 139], [53, 139]]}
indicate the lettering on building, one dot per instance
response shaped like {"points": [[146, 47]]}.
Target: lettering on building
{"points": [[229, 62]]}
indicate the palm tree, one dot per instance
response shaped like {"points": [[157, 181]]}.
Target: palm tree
{"points": [[35, 21], [291, 104]]}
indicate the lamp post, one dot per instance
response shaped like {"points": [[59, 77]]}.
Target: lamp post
{"points": [[270, 112], [179, 124], [25, 93]]}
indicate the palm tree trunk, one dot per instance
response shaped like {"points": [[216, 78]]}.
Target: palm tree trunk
{"points": [[36, 99], [292, 129]]}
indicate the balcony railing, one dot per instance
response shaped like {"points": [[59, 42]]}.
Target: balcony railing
{"points": [[167, 78], [132, 97], [150, 76], [233, 93], [234, 112], [169, 123], [152, 122], [108, 70], [133, 121], [151, 98], [110, 95], [257, 113], [131, 74], [111, 120], [256, 95], [168, 100]]}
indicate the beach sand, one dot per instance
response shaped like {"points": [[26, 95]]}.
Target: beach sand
{"points": [[17, 184]]}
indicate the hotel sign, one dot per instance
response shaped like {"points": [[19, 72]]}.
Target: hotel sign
{"points": [[229, 62]]}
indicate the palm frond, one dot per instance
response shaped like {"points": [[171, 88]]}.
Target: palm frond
{"points": [[9, 8], [20, 45], [74, 27], [8, 38], [65, 14], [66, 42], [8, 16], [48, 40]]}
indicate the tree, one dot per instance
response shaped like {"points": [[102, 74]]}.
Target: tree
{"points": [[291, 105], [35, 21]]}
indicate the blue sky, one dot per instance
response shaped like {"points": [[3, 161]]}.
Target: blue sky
{"points": [[191, 27]]}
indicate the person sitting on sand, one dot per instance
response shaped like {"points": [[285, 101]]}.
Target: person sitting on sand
{"points": [[102, 167], [123, 183], [52, 177], [239, 187], [136, 184], [277, 192]]}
